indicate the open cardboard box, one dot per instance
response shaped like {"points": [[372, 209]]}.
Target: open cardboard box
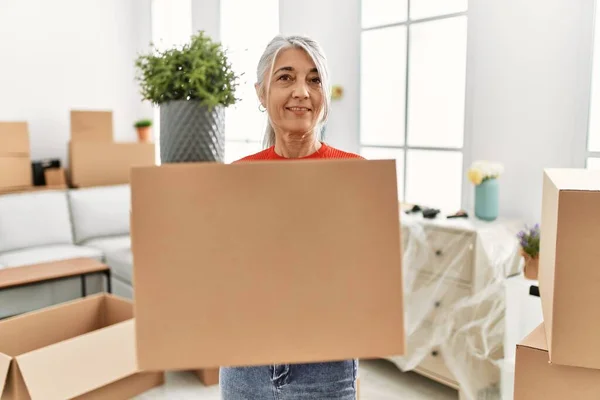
{"points": [[266, 262], [569, 276], [537, 378], [83, 349]]}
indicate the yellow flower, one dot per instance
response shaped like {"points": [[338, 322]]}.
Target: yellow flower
{"points": [[475, 176]]}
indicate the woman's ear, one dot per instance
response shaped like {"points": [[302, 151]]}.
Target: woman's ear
{"points": [[260, 94]]}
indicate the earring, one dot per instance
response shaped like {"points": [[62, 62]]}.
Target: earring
{"points": [[261, 108]]}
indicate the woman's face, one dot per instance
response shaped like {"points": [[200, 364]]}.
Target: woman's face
{"points": [[295, 98]]}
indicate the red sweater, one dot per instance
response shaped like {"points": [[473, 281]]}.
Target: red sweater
{"points": [[324, 151]]}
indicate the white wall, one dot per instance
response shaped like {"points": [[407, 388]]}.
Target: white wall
{"points": [[529, 83], [63, 54], [335, 24]]}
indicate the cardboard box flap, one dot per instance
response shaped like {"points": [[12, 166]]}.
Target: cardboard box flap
{"points": [[91, 125], [574, 178], [4, 365], [536, 339], [95, 359]]}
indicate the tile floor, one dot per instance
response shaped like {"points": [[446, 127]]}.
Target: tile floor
{"points": [[380, 380]]}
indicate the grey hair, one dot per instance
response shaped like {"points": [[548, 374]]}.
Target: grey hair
{"points": [[267, 62]]}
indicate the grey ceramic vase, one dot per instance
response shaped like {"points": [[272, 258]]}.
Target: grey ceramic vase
{"points": [[190, 132]]}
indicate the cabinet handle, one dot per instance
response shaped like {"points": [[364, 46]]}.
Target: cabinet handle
{"points": [[438, 252], [434, 353]]}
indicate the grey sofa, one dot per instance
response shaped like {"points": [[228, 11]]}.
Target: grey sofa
{"points": [[52, 225]]}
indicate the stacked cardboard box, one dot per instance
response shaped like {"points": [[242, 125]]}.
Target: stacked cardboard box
{"points": [[560, 359], [82, 349], [95, 159], [15, 161]]}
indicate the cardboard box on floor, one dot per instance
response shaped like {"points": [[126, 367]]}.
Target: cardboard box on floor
{"points": [[15, 161], [266, 262], [83, 349], [569, 274], [537, 378]]}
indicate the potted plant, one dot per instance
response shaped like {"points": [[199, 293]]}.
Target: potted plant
{"points": [[529, 240], [192, 85], [484, 175], [143, 127]]}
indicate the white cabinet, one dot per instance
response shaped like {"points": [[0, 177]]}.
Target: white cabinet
{"points": [[454, 273]]}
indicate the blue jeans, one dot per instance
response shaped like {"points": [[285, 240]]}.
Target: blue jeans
{"points": [[315, 381]]}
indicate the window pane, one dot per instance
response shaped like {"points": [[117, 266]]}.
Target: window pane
{"points": [[594, 125], [381, 153], [593, 162], [383, 12], [431, 8], [383, 86], [237, 150], [245, 41], [438, 55], [434, 179]]}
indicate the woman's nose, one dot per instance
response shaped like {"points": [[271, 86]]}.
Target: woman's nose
{"points": [[300, 91]]}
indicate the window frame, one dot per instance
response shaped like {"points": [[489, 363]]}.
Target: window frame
{"points": [[405, 148]]}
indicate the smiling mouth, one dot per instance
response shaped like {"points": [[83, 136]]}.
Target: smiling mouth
{"points": [[298, 109]]}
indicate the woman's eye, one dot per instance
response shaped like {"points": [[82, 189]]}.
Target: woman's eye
{"points": [[285, 77], [316, 80]]}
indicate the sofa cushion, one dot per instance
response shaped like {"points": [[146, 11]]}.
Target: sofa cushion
{"points": [[121, 264], [42, 254], [34, 219], [109, 244], [100, 211]]}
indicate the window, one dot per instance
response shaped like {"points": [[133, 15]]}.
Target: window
{"points": [[171, 26], [245, 41], [412, 95], [593, 136]]}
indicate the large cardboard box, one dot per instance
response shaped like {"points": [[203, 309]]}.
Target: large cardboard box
{"points": [[569, 275], [91, 125], [266, 262], [537, 378], [107, 163], [14, 139], [83, 349]]}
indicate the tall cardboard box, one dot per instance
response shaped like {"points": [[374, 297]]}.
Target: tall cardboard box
{"points": [[83, 349], [107, 163], [537, 378], [569, 275], [15, 161], [266, 262], [91, 126]]}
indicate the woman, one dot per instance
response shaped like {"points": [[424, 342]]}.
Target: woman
{"points": [[293, 88]]}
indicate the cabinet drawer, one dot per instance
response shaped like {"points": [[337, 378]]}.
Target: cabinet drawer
{"points": [[440, 295], [450, 254], [434, 367]]}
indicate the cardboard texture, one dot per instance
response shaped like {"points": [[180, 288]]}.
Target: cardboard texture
{"points": [[289, 255], [536, 378], [55, 177], [106, 163], [14, 139], [91, 339], [16, 172], [91, 126], [569, 276]]}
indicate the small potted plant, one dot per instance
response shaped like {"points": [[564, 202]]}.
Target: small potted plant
{"points": [[529, 240], [484, 175], [143, 128]]}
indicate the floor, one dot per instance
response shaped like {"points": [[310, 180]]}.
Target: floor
{"points": [[379, 380]]}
